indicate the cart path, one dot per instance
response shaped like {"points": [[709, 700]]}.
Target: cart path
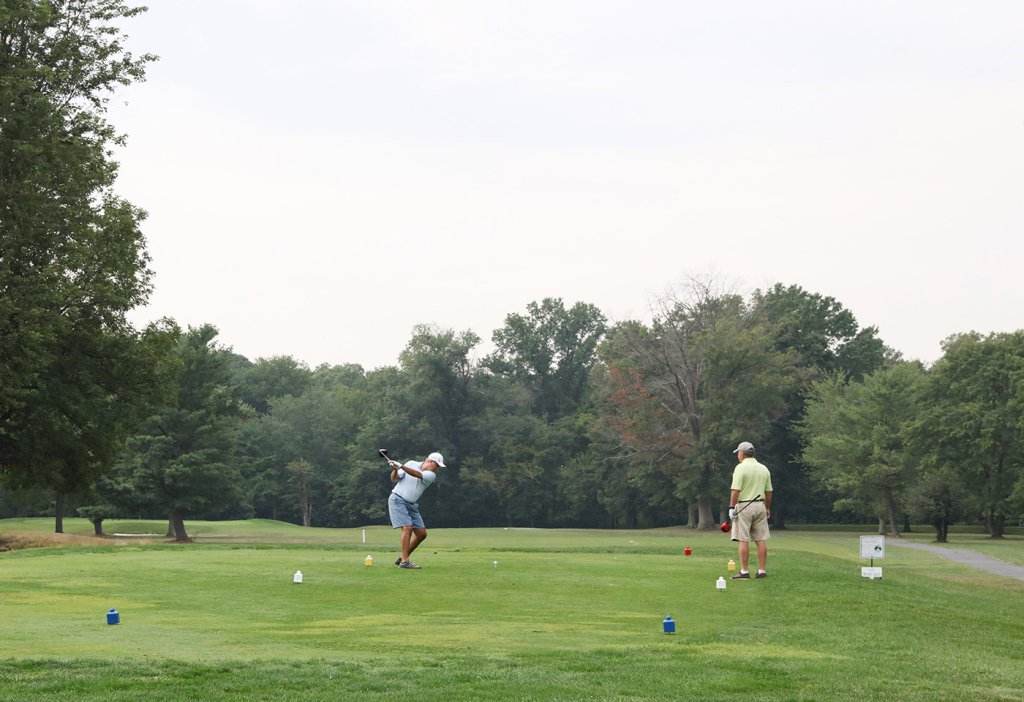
{"points": [[967, 558]]}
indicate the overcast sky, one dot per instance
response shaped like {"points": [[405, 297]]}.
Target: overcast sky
{"points": [[323, 175]]}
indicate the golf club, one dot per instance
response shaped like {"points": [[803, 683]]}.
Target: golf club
{"points": [[726, 526], [385, 456]]}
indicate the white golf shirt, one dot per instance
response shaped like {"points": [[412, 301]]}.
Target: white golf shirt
{"points": [[409, 487]]}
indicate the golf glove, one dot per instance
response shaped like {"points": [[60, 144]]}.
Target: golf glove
{"points": [[394, 464], [732, 513]]}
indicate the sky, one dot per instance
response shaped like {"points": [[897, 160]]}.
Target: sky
{"points": [[321, 176]]}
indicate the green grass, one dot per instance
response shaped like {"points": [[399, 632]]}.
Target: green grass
{"points": [[565, 615]]}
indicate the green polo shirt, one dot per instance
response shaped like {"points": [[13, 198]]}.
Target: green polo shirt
{"points": [[751, 479]]}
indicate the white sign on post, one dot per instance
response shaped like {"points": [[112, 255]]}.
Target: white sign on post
{"points": [[872, 547]]}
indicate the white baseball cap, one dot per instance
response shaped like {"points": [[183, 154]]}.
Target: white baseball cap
{"points": [[746, 447], [437, 458]]}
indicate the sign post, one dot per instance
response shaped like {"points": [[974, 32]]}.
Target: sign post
{"points": [[872, 547]]}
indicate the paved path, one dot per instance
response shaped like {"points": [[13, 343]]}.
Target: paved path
{"points": [[968, 558]]}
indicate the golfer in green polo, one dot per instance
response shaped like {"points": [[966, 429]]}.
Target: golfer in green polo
{"points": [[752, 494]]}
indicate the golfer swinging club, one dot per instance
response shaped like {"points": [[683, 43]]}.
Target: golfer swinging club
{"points": [[752, 490], [410, 481]]}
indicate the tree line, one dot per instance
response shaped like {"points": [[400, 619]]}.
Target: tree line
{"points": [[571, 421]]}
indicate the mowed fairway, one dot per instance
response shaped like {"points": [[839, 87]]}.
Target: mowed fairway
{"points": [[564, 615]]}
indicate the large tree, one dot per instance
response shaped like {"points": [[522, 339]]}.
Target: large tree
{"points": [[704, 375], [269, 378], [321, 425], [550, 350], [296, 448], [73, 372], [857, 438], [821, 331], [439, 375], [180, 461], [971, 423], [826, 339]]}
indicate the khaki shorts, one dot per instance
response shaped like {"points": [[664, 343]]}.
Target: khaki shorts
{"points": [[752, 523]]}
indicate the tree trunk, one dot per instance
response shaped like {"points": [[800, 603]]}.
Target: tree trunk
{"points": [[707, 517], [170, 527], [998, 526], [941, 529], [97, 525], [305, 503], [58, 510], [881, 526], [178, 521], [777, 520], [691, 515], [307, 507], [890, 508]]}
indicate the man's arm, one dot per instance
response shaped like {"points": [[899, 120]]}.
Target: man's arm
{"points": [[396, 466], [413, 472], [734, 496], [768, 502]]}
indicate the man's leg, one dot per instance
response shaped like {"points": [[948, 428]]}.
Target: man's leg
{"points": [[745, 555], [762, 554], [406, 542], [417, 538], [400, 519]]}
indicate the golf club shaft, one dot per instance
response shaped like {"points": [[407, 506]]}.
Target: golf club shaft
{"points": [[748, 503]]}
